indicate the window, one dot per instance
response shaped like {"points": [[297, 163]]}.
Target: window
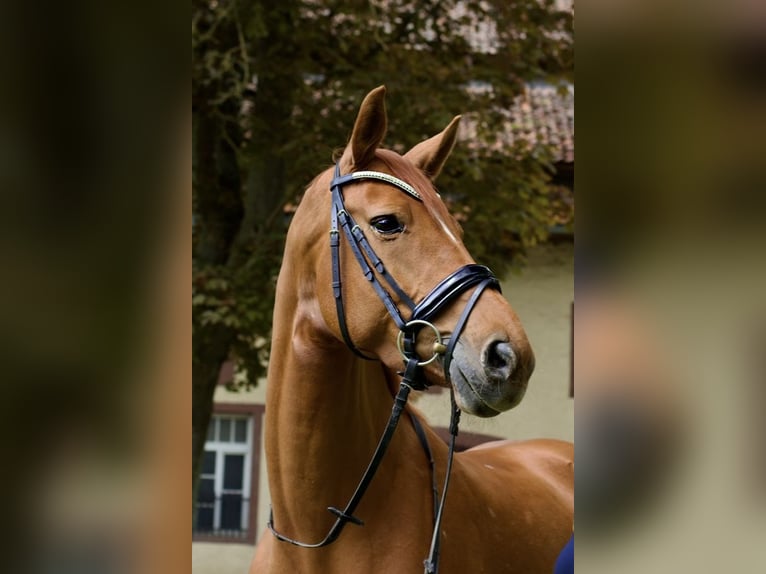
{"points": [[223, 497]]}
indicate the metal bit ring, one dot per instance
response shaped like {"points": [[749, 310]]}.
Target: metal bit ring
{"points": [[439, 347]]}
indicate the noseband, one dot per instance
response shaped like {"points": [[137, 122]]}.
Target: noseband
{"points": [[421, 316]]}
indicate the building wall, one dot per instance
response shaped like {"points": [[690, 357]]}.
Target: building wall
{"points": [[541, 296]]}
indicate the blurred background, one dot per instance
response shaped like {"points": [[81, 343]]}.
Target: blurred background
{"points": [[670, 280], [94, 210]]}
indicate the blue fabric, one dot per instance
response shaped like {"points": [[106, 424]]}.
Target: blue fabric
{"points": [[565, 561]]}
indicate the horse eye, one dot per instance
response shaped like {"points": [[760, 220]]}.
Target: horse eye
{"points": [[387, 224]]}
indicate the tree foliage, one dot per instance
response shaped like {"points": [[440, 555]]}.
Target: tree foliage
{"points": [[276, 86]]}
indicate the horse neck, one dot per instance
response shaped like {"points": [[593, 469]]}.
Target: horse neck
{"points": [[325, 411]]}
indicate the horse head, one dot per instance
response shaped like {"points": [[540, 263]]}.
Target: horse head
{"points": [[410, 230]]}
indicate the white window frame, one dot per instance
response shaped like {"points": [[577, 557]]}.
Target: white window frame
{"points": [[221, 449]]}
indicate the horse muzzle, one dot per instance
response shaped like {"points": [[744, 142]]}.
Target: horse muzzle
{"points": [[492, 381]]}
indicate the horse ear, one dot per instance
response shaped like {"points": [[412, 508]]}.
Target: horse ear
{"points": [[369, 129], [431, 154]]}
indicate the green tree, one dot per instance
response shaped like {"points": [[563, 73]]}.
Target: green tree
{"points": [[276, 86]]}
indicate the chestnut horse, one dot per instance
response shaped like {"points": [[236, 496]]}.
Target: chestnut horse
{"points": [[510, 504]]}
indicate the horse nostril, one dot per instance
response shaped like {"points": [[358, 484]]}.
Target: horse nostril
{"points": [[499, 359]]}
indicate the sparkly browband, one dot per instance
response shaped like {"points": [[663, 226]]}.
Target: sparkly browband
{"points": [[395, 181]]}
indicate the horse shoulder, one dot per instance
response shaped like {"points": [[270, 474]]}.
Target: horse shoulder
{"points": [[547, 448], [547, 463], [517, 501]]}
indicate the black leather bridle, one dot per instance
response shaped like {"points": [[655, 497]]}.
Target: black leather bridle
{"points": [[421, 315]]}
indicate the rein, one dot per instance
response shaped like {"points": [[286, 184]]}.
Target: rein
{"points": [[413, 378]]}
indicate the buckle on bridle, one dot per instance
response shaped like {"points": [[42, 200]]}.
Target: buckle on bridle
{"points": [[438, 349]]}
